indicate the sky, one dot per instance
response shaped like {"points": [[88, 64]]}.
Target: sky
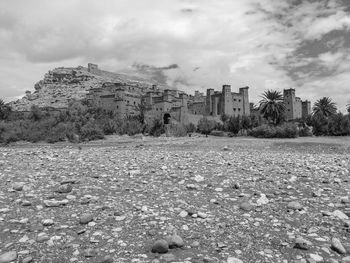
{"points": [[187, 44]]}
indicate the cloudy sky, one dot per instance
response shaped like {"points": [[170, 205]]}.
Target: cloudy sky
{"points": [[192, 44]]}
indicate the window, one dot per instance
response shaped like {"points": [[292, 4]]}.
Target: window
{"points": [[134, 103], [234, 109], [117, 107], [239, 109], [239, 100], [234, 99]]}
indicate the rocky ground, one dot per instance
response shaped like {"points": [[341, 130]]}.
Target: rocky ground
{"points": [[193, 200]]}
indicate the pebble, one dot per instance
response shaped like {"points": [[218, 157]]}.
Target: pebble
{"points": [[27, 259], [339, 214], [18, 186], [183, 213], [86, 218], [160, 246], [47, 222], [337, 246], [233, 260], [42, 237], [316, 257], [90, 252], [106, 259], [65, 188], [302, 243], [294, 205], [8, 257], [245, 206]]}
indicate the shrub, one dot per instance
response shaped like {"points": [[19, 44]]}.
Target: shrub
{"points": [[234, 125], [305, 131], [191, 128], [157, 128], [217, 133], [131, 127], [286, 130], [177, 130], [91, 131]]}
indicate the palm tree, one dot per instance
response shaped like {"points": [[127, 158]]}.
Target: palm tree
{"points": [[272, 106], [325, 107]]}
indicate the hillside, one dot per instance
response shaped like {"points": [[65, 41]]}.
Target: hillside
{"points": [[61, 85]]}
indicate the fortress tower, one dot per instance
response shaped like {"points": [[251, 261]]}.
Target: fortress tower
{"points": [[246, 105], [226, 100]]}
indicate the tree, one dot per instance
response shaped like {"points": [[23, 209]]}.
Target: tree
{"points": [[272, 106], [205, 126], [325, 107], [5, 110], [348, 107], [234, 124]]}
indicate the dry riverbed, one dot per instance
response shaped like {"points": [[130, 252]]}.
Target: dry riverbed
{"points": [[192, 199]]}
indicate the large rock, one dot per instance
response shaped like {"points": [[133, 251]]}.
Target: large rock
{"points": [[8, 257], [160, 246], [86, 218], [337, 246], [175, 241]]}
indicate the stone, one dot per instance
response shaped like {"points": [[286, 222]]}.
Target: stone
{"points": [[294, 205], [175, 241], [233, 260], [106, 259], [86, 218], [339, 214], [18, 186], [65, 188], [8, 257], [262, 200], [160, 246], [345, 259], [316, 257], [337, 246], [90, 252], [183, 213], [168, 257], [55, 203], [27, 259], [202, 215], [42, 237], [245, 206], [195, 244], [47, 222], [302, 243]]}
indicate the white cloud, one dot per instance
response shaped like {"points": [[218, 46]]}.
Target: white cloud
{"points": [[241, 42]]}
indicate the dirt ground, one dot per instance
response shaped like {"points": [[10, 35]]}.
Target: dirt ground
{"points": [[228, 199]]}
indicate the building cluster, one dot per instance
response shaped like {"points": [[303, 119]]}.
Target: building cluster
{"points": [[175, 105]]}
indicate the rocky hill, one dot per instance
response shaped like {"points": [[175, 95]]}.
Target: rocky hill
{"points": [[61, 85]]}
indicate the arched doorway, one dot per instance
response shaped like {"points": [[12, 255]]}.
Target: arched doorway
{"points": [[166, 118]]}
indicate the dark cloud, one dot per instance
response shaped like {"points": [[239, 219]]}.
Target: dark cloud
{"points": [[156, 74], [187, 10]]}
